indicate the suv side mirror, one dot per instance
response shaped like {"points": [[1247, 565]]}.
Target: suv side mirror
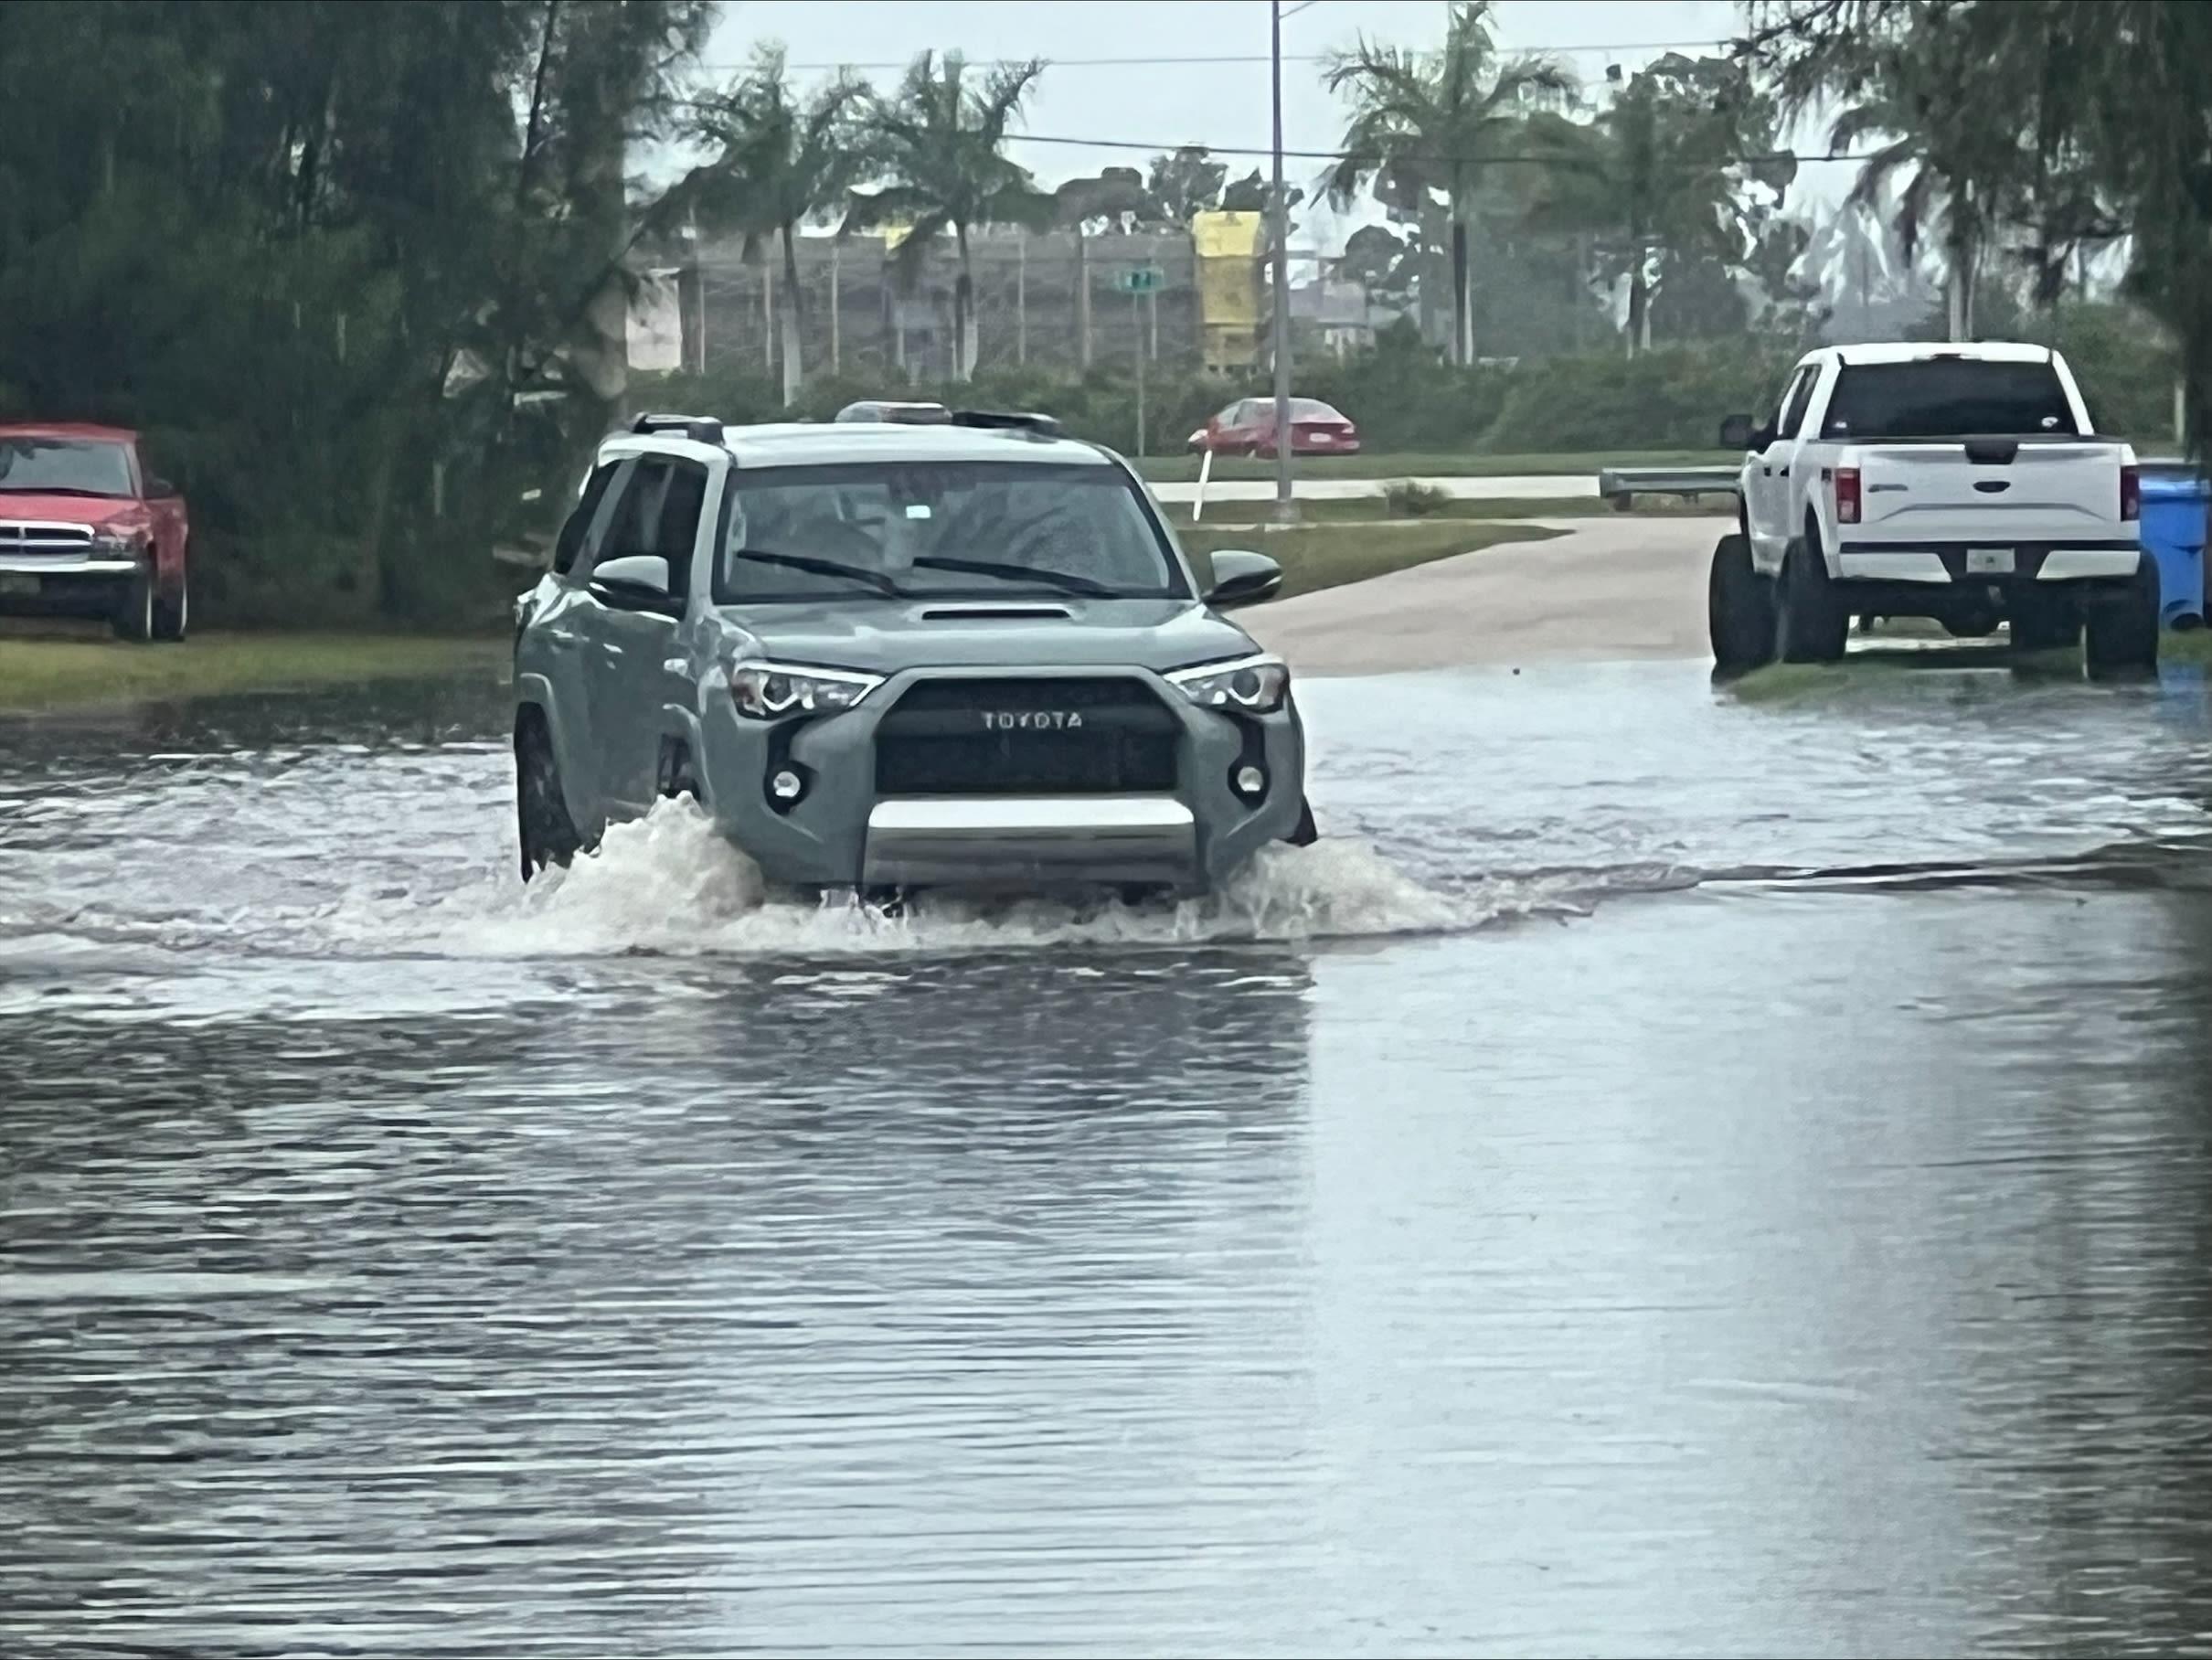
{"points": [[159, 490], [1736, 433], [637, 580], [1242, 578]]}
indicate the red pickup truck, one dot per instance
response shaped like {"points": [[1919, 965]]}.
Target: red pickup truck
{"points": [[86, 531]]}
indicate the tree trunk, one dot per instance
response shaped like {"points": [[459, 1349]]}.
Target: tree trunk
{"points": [[1959, 290], [1462, 296], [1638, 309], [793, 372], [964, 312]]}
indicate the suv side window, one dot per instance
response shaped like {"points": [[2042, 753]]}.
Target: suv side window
{"points": [[659, 514], [676, 532], [1801, 398], [577, 528]]}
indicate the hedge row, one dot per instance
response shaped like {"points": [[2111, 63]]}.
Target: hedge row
{"points": [[1403, 400]]}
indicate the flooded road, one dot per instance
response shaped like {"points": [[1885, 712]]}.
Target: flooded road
{"points": [[1662, 1176]]}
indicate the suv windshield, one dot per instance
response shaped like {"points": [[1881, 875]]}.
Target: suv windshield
{"points": [[936, 530], [1955, 397], [66, 466]]}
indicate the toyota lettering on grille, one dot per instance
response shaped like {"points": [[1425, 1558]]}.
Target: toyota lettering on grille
{"points": [[1013, 720]]}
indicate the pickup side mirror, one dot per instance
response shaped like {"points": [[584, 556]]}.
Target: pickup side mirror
{"points": [[636, 582], [1737, 432], [1242, 578], [161, 490]]}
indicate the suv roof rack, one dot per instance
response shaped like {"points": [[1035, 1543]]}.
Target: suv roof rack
{"points": [[1027, 421], [903, 413], [700, 429]]}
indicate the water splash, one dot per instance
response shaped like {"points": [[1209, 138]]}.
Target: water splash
{"points": [[670, 884]]}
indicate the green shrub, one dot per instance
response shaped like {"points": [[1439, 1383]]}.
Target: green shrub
{"points": [[1669, 399], [1409, 498]]}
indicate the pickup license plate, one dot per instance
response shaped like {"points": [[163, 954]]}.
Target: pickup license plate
{"points": [[1989, 561], [19, 585]]}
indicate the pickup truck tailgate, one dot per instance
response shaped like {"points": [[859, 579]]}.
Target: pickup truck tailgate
{"points": [[1986, 490]]}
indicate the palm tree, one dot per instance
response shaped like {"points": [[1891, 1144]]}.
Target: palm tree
{"points": [[1435, 123], [1663, 171], [938, 141], [780, 163], [1917, 78]]}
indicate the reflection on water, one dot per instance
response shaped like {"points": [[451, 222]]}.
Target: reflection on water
{"points": [[388, 1268]]}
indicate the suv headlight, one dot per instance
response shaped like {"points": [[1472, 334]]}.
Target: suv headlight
{"points": [[1254, 686], [127, 544], [770, 691]]}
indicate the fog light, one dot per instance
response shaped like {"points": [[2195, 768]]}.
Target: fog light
{"points": [[1249, 781], [786, 785]]}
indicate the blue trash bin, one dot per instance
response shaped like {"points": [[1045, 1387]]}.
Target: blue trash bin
{"points": [[2175, 497]]}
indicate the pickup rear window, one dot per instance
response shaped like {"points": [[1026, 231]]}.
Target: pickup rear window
{"points": [[1956, 397]]}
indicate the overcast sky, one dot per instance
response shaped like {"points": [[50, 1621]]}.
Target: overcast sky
{"points": [[1093, 90]]}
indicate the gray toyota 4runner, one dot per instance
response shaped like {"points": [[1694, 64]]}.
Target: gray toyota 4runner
{"points": [[883, 657]]}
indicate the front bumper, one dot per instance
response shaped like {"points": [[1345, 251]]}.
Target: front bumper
{"points": [[45, 587], [841, 833], [929, 841]]}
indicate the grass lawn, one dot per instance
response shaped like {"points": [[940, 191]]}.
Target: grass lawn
{"points": [[1460, 463], [1369, 510], [1324, 556], [50, 670]]}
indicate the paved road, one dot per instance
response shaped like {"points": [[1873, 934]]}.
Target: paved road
{"points": [[1615, 590], [1810, 1253], [1557, 487]]}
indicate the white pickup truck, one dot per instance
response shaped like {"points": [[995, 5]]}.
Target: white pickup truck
{"points": [[1962, 483]]}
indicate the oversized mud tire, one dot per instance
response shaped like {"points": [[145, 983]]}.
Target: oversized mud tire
{"points": [[2043, 621], [134, 616], [1739, 610], [547, 834], [1812, 620], [2120, 633]]}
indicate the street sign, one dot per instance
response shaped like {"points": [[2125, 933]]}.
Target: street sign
{"points": [[1140, 280]]}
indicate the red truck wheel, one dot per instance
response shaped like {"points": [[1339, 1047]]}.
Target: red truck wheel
{"points": [[171, 613], [133, 618]]}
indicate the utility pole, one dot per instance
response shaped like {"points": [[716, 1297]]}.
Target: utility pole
{"points": [[1286, 505]]}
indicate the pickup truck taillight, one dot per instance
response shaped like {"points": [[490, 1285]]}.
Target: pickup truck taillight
{"points": [[1846, 495], [2130, 494]]}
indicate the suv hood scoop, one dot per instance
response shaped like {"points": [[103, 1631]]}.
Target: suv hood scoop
{"points": [[1032, 612], [879, 637]]}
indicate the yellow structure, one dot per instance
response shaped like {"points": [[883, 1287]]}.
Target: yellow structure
{"points": [[1228, 246]]}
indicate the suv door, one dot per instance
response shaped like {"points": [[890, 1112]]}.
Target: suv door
{"points": [[1767, 481], [549, 660], [631, 643]]}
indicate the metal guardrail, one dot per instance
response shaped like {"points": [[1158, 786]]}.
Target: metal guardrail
{"points": [[1622, 485]]}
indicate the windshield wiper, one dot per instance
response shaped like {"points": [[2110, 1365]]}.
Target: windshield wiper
{"points": [[105, 496], [1060, 579], [822, 568]]}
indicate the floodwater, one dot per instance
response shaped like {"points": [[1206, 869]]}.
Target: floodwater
{"points": [[1662, 1176]]}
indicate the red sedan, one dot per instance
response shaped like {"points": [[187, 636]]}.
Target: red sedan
{"points": [[1247, 427]]}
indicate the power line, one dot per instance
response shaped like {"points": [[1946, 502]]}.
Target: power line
{"points": [[1337, 156], [1160, 62]]}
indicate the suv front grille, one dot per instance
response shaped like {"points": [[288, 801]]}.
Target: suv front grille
{"points": [[1037, 737]]}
